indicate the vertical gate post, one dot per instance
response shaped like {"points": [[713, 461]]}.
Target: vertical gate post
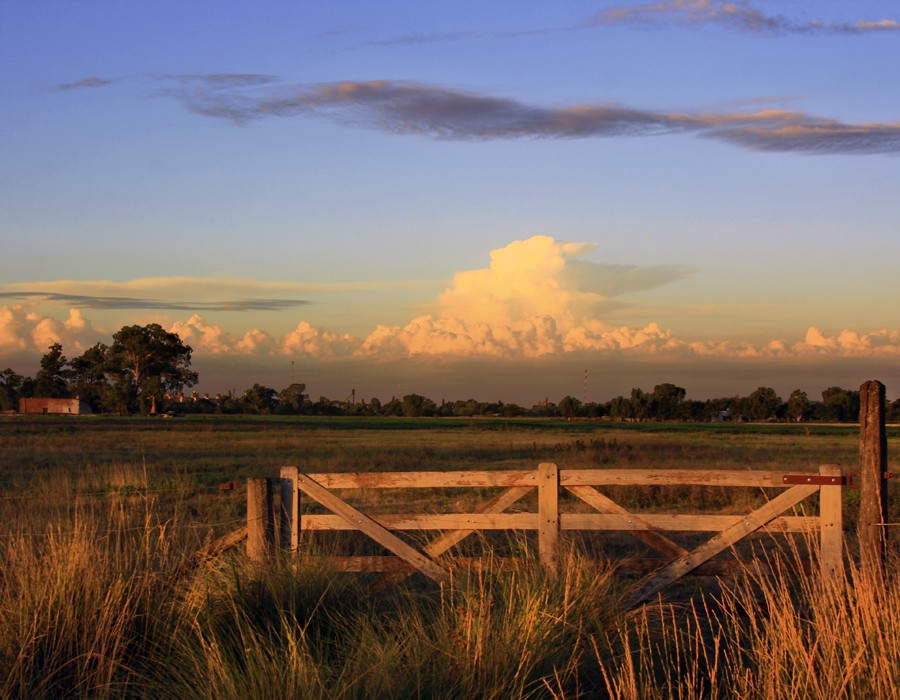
{"points": [[290, 510], [831, 535], [872, 468], [260, 518], [548, 516]]}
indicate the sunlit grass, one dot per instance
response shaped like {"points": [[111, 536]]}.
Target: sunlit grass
{"points": [[96, 521]]}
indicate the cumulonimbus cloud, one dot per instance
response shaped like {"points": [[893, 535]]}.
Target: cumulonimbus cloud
{"points": [[742, 15], [537, 298], [437, 112]]}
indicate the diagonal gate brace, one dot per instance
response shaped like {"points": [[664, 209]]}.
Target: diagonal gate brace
{"points": [[374, 530], [725, 539], [650, 535]]}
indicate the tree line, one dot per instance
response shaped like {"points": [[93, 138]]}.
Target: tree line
{"points": [[146, 369]]}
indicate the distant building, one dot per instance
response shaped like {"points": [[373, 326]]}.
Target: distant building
{"points": [[72, 407]]}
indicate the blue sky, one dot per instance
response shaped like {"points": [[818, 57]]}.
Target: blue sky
{"points": [[343, 185]]}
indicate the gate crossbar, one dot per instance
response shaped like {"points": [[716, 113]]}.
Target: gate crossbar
{"points": [[549, 521]]}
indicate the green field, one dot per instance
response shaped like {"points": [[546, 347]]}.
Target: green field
{"points": [[97, 513]]}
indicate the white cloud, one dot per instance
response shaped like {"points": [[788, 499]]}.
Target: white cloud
{"points": [[538, 298], [23, 329]]}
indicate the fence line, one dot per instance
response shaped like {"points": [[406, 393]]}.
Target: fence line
{"points": [[549, 522]]}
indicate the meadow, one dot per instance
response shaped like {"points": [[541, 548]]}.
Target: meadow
{"points": [[98, 516]]}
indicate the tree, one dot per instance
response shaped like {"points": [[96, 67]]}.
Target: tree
{"points": [[798, 406], [415, 406], [259, 399], [147, 362], [621, 408], [87, 375], [569, 407], [10, 388], [50, 381], [762, 404], [641, 405], [839, 405], [667, 401], [293, 398]]}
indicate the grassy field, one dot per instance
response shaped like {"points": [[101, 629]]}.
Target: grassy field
{"points": [[97, 515]]}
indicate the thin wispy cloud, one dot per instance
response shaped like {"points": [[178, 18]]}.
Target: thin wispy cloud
{"points": [[85, 83], [416, 38], [443, 113], [410, 108], [80, 301], [741, 15]]}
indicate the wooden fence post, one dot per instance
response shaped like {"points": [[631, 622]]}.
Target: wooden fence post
{"points": [[548, 516], [260, 518], [872, 467], [831, 535], [290, 510]]}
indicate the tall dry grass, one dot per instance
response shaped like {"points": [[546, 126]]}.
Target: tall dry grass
{"points": [[89, 606], [90, 610], [791, 636]]}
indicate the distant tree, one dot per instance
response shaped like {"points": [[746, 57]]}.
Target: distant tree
{"points": [[293, 398], [641, 405], [87, 375], [667, 400], [798, 406], [569, 407], [693, 410], [415, 406], [762, 404], [146, 362], [892, 411], [394, 407], [50, 381], [593, 409], [259, 399], [621, 408], [839, 405], [10, 386]]}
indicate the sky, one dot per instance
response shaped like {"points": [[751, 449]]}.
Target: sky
{"points": [[503, 201]]}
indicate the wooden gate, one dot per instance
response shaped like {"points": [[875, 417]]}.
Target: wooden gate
{"points": [[548, 520]]}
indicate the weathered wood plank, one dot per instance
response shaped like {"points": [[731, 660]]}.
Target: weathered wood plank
{"points": [[568, 477], [372, 529], [447, 540], [873, 505], [548, 515], [670, 477], [679, 522], [831, 541], [290, 510], [568, 521], [432, 521], [412, 480], [260, 518], [649, 535], [748, 523], [496, 505]]}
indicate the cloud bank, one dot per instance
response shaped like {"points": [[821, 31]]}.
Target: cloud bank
{"points": [[537, 298], [741, 15], [442, 113]]}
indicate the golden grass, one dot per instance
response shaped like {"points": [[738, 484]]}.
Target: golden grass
{"points": [[89, 606]]}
